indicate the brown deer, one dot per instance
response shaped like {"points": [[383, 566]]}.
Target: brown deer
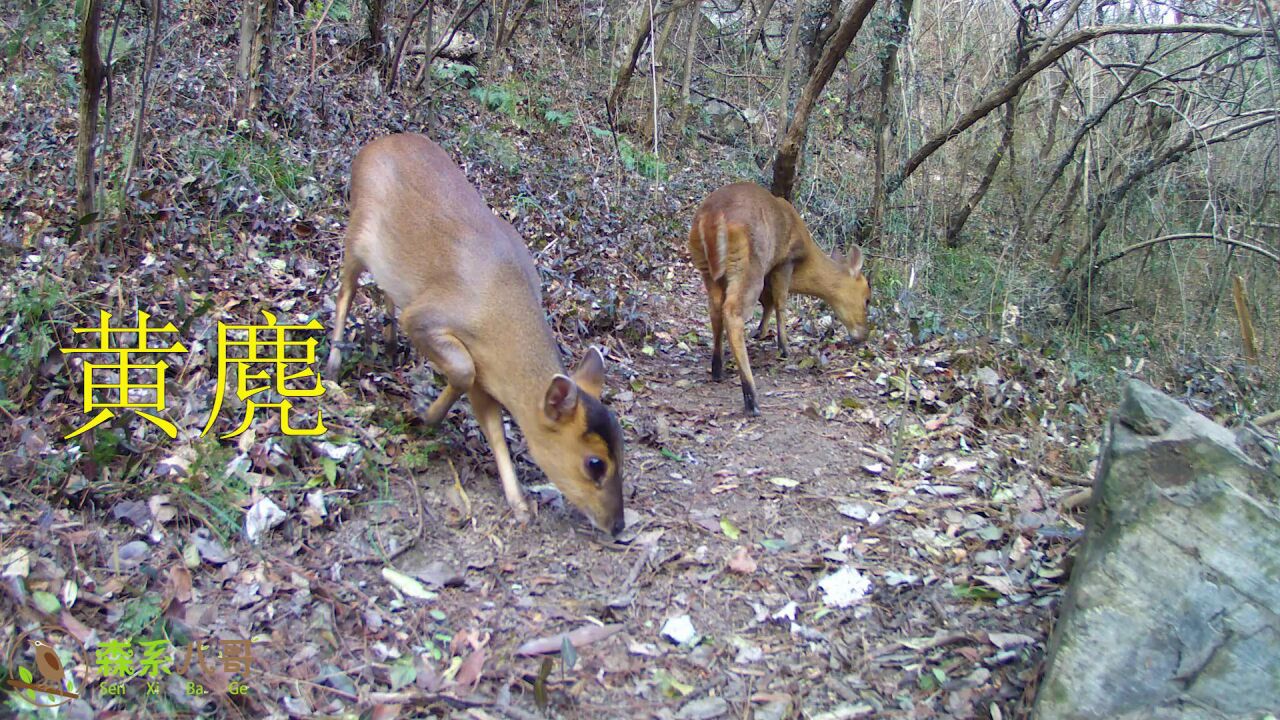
{"points": [[471, 303], [749, 244]]}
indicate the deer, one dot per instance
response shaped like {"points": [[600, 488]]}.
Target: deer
{"points": [[748, 244], [471, 303]]}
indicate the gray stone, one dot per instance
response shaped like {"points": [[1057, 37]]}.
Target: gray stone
{"points": [[1172, 611], [704, 709]]}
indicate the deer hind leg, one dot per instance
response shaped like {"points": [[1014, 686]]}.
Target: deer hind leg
{"points": [[446, 353], [735, 325], [489, 415], [715, 302], [351, 270], [389, 330]]}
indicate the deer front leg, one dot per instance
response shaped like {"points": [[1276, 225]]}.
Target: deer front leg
{"points": [[446, 353], [489, 415], [778, 287]]}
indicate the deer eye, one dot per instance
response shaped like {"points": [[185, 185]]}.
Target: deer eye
{"points": [[595, 469]]}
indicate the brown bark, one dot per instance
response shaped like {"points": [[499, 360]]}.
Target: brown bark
{"points": [[92, 74], [257, 29], [509, 27], [658, 49], [686, 77], [1246, 322], [1011, 87], [756, 31], [393, 67], [144, 91], [957, 219], [788, 67], [880, 128], [629, 67], [788, 154], [376, 25]]}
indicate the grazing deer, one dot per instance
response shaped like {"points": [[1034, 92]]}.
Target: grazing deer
{"points": [[471, 304], [749, 244]]}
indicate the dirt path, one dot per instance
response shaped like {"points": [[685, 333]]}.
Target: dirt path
{"points": [[734, 521]]}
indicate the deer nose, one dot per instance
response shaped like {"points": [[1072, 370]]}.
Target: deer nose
{"points": [[618, 526]]}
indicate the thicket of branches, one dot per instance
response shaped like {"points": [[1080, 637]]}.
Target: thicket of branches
{"points": [[1091, 164]]}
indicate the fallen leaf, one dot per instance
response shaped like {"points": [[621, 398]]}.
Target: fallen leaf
{"points": [[1004, 641], [584, 635], [999, 583], [729, 529], [406, 584], [706, 708], [181, 579], [161, 509], [469, 674], [263, 516], [209, 548], [741, 561]]}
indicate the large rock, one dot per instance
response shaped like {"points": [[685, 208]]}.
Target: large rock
{"points": [[1174, 605]]}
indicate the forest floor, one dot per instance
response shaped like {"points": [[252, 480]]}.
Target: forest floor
{"points": [[912, 476], [890, 538]]}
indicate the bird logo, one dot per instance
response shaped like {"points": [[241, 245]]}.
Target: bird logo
{"points": [[53, 687]]}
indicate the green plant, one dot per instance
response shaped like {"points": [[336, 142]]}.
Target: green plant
{"points": [[264, 164], [496, 97], [25, 341], [457, 73], [139, 614], [558, 117]]}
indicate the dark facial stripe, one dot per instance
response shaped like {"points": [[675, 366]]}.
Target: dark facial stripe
{"points": [[602, 422]]}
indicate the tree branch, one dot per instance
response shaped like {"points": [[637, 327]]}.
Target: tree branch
{"points": [[1185, 236], [1044, 60]]}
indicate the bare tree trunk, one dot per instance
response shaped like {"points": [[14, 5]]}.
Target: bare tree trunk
{"points": [[686, 77], [629, 67], [454, 24], [643, 30], [788, 67], [1055, 110], [92, 74], [788, 154], [819, 33], [376, 23], [393, 67], [1246, 322], [144, 90], [880, 129], [257, 29], [650, 121], [1065, 209], [509, 28], [960, 216], [756, 31], [956, 220]]}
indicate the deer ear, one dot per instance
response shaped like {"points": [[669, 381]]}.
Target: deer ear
{"points": [[589, 375], [854, 261], [561, 399]]}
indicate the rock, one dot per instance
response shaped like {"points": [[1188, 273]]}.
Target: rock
{"points": [[1171, 611], [704, 709], [679, 630]]}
